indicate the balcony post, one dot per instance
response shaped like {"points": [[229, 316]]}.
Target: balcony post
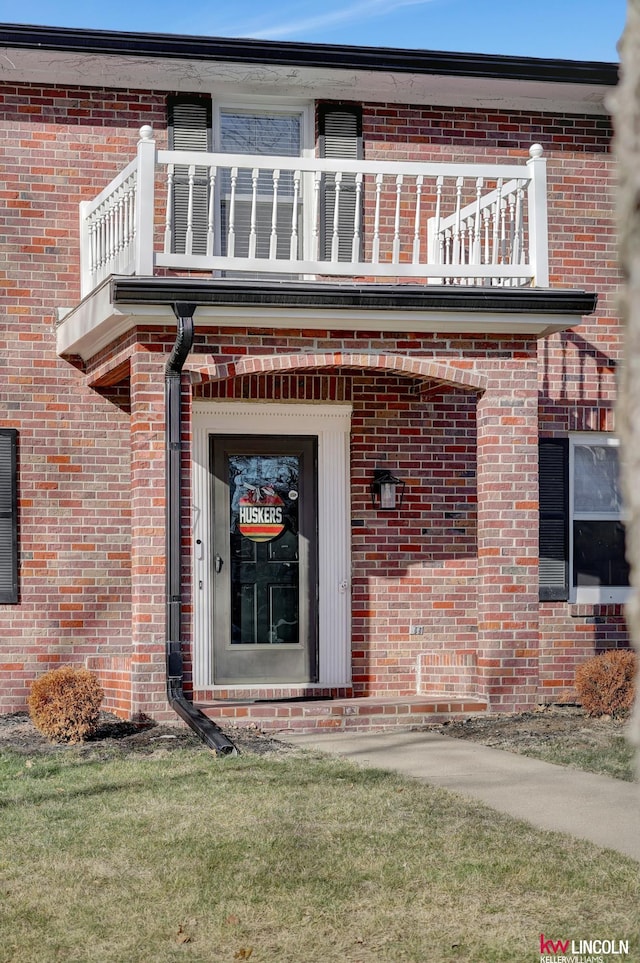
{"points": [[145, 202], [538, 227], [87, 267]]}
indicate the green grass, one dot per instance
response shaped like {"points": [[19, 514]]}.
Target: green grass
{"points": [[282, 859], [616, 757]]}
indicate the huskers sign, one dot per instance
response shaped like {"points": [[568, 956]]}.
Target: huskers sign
{"points": [[261, 521]]}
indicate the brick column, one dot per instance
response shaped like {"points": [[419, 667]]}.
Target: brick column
{"points": [[148, 534], [508, 541]]}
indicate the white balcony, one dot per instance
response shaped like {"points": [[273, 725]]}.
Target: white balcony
{"points": [[312, 218]]}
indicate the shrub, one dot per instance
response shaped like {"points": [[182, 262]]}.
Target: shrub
{"points": [[606, 683], [65, 704]]}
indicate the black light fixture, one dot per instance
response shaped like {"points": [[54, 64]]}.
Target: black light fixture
{"points": [[387, 491]]}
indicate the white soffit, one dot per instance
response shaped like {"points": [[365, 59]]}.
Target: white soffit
{"points": [[275, 80], [91, 327]]}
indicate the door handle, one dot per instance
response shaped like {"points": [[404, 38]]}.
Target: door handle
{"points": [[218, 564]]}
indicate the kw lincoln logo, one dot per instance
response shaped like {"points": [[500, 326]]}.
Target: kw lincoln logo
{"points": [[582, 951], [261, 516]]}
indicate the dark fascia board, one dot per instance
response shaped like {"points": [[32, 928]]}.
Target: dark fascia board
{"points": [[246, 51], [405, 297]]}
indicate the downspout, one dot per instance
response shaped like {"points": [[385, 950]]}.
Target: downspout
{"points": [[208, 731]]}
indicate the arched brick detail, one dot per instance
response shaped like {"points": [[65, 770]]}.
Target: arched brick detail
{"points": [[421, 369]]}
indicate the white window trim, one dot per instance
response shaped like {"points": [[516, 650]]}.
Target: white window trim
{"points": [[306, 110], [256, 105], [602, 594]]}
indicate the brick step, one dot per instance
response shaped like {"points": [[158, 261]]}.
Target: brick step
{"points": [[366, 714]]}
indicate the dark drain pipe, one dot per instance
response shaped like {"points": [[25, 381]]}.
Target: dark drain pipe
{"points": [[208, 731]]}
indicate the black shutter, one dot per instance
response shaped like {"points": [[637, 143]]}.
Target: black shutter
{"points": [[340, 131], [8, 517], [190, 129], [553, 468]]}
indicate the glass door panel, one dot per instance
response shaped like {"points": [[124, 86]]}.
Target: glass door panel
{"points": [[265, 558]]}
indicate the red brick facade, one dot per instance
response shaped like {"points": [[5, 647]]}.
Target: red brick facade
{"points": [[445, 591]]}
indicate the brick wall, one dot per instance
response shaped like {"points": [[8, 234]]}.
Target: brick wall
{"points": [[82, 570], [415, 583], [58, 147]]}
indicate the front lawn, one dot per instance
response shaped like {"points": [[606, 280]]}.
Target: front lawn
{"points": [[282, 859]]}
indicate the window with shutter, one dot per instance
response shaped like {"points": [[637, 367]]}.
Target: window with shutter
{"points": [[8, 517], [554, 519], [267, 133], [582, 535], [190, 129], [599, 569], [340, 131]]}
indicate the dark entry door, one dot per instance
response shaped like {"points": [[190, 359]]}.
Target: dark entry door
{"points": [[264, 559]]}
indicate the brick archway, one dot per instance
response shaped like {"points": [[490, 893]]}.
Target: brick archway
{"points": [[420, 369]]}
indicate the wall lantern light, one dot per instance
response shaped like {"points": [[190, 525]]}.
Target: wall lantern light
{"points": [[387, 491]]}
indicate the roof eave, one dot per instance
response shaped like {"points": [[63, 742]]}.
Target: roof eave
{"points": [[286, 53]]}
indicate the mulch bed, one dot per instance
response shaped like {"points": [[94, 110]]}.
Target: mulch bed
{"points": [[116, 737]]}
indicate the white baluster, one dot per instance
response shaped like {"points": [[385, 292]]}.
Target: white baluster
{"points": [[125, 217], [335, 239], [252, 221], [447, 249], [518, 231], [91, 229], [273, 243], [188, 239], [130, 213], [375, 251], [486, 219], [456, 244], [168, 216], [462, 246], [315, 231], [503, 231], [477, 229], [496, 223], [102, 236], [293, 246], [416, 222], [510, 243], [211, 213], [440, 243], [231, 229], [395, 257], [110, 235], [357, 221], [120, 221]]}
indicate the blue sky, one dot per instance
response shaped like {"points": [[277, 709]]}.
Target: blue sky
{"points": [[567, 29]]}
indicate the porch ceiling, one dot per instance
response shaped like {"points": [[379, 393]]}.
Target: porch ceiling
{"points": [[122, 303]]}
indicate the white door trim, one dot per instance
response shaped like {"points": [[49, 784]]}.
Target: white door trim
{"points": [[332, 426]]}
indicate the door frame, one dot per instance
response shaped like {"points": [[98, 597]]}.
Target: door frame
{"points": [[331, 424]]}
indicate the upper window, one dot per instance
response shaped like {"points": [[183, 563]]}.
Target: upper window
{"points": [[264, 132], [260, 213]]}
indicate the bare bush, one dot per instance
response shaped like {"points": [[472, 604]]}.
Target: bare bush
{"points": [[605, 683], [64, 704]]}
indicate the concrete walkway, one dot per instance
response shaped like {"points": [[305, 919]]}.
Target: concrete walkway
{"points": [[588, 806]]}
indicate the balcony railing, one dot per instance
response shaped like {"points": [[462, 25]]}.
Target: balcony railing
{"points": [[319, 218]]}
